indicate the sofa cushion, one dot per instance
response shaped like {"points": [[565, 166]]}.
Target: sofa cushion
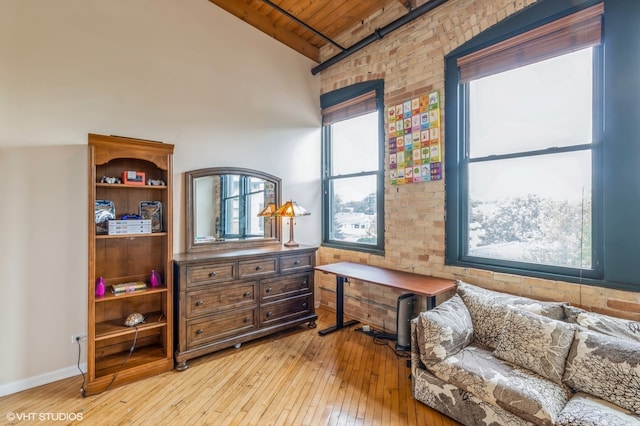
{"points": [[535, 342], [586, 410], [512, 388], [444, 330], [606, 367], [459, 404], [618, 327], [488, 309]]}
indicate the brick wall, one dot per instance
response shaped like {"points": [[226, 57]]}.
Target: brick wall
{"points": [[411, 61]]}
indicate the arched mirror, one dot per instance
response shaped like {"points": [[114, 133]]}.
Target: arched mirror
{"points": [[224, 206]]}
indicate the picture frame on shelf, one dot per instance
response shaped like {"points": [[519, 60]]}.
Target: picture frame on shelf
{"points": [[105, 210], [152, 210]]}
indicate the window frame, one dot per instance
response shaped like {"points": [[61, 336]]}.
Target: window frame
{"points": [[244, 192], [332, 99], [457, 160]]}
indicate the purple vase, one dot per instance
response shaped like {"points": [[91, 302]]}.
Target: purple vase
{"points": [[100, 287], [154, 279]]}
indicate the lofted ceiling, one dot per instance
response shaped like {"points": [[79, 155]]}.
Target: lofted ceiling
{"points": [[306, 25]]}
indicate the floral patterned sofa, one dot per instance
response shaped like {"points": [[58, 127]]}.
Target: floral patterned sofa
{"points": [[490, 358]]}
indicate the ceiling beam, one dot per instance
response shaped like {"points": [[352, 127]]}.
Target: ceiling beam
{"points": [[302, 23], [250, 16]]}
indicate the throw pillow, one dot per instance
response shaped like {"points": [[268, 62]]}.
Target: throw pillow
{"points": [[444, 331], [536, 343], [488, 309], [617, 327], [606, 367]]}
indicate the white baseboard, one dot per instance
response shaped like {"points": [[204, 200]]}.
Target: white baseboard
{"points": [[41, 379]]}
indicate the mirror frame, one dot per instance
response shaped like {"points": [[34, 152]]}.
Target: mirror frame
{"points": [[193, 247]]}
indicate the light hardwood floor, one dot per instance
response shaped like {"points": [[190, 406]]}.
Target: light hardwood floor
{"points": [[292, 378]]}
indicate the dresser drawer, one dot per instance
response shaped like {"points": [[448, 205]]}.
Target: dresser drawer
{"points": [[223, 297], [207, 274], [288, 309], [301, 261], [254, 268], [220, 326], [287, 286]]}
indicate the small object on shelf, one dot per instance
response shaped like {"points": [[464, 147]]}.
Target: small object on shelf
{"points": [[110, 179], [134, 319], [129, 287], [152, 210], [105, 210], [128, 227], [131, 177], [155, 182], [100, 287], [130, 216], [154, 279]]}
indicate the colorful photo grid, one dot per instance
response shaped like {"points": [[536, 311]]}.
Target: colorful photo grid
{"points": [[415, 148]]}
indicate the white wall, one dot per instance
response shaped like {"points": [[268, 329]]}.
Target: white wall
{"points": [[180, 71]]}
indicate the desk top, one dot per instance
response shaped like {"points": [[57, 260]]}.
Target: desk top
{"points": [[415, 283]]}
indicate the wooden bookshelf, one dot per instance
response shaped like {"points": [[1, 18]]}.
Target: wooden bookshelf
{"points": [[117, 354]]}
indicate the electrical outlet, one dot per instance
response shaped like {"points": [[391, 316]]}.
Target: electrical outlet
{"points": [[82, 337]]}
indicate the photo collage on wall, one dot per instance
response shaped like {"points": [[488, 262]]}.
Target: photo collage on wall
{"points": [[415, 148]]}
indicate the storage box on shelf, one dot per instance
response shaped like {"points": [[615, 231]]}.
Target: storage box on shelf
{"points": [[127, 258]]}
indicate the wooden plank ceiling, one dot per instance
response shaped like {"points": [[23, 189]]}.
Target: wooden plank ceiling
{"points": [[320, 21]]}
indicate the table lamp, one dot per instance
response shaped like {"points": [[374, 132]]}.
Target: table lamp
{"points": [[290, 209]]}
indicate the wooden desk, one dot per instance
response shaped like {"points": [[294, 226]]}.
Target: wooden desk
{"points": [[414, 283]]}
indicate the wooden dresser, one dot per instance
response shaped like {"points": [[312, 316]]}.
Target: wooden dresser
{"points": [[227, 297]]}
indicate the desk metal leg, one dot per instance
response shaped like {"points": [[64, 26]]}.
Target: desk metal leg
{"points": [[339, 309]]}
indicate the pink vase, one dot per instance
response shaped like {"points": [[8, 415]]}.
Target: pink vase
{"points": [[100, 287], [154, 279]]}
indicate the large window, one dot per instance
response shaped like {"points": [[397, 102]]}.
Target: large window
{"points": [[529, 163], [527, 146], [353, 171]]}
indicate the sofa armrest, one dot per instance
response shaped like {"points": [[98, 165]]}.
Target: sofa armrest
{"points": [[416, 363]]}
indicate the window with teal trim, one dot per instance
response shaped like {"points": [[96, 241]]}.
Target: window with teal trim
{"points": [[353, 167], [525, 150]]}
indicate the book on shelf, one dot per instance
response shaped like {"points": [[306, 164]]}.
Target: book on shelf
{"points": [[131, 226], [128, 287]]}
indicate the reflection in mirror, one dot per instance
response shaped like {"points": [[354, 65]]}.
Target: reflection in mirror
{"points": [[228, 207], [224, 205]]}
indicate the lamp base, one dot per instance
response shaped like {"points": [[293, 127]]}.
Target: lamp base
{"points": [[291, 242]]}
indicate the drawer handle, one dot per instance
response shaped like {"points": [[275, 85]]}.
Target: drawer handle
{"points": [[212, 274], [200, 331], [259, 268], [269, 290], [297, 262], [305, 304], [247, 319], [199, 303], [269, 314], [304, 283], [247, 294]]}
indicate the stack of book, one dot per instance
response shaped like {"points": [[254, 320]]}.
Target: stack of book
{"points": [[128, 287], [131, 226]]}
